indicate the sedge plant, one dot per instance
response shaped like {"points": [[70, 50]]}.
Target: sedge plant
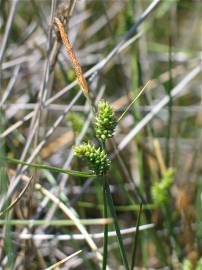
{"points": [[97, 157], [105, 124]]}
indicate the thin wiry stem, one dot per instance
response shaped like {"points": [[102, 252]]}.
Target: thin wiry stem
{"points": [[127, 36], [61, 178], [136, 239], [176, 91], [17, 199], [106, 236], [163, 78], [65, 237], [34, 125], [63, 261], [40, 145], [10, 86], [59, 222], [8, 29], [70, 213], [93, 71]]}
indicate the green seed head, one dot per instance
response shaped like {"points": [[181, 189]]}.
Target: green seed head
{"points": [[105, 121], [96, 157], [160, 190]]}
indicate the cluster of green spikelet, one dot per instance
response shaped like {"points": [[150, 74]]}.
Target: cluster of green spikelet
{"points": [[105, 121], [160, 189], [105, 124], [96, 157]]}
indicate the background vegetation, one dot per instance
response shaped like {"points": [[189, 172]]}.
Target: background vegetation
{"points": [[46, 214]]}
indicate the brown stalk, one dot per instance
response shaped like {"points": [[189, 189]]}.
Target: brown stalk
{"points": [[72, 56]]}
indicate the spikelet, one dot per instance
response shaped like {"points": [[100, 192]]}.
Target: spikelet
{"points": [[96, 157], [105, 121], [160, 189], [70, 51]]}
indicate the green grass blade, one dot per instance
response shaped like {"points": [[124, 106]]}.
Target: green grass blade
{"points": [[7, 243], [54, 222], [136, 238], [46, 167], [119, 237], [105, 245], [130, 105]]}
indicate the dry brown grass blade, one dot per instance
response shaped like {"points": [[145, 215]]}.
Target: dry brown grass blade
{"points": [[159, 156], [68, 212]]}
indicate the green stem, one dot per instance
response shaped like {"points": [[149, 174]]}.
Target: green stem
{"points": [[26, 222], [136, 238], [46, 167], [113, 213], [92, 107], [105, 246]]}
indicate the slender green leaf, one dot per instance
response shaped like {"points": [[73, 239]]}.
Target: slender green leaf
{"points": [[39, 222], [119, 237], [136, 238], [51, 168], [105, 245]]}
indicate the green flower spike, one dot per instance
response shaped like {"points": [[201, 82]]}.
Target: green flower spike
{"points": [[160, 189], [96, 157], [105, 121]]}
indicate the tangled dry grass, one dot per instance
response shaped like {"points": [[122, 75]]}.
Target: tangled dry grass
{"points": [[52, 217]]}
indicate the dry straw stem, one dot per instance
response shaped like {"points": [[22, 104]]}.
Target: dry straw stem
{"points": [[56, 265], [159, 156], [72, 56], [69, 213], [18, 197], [53, 147], [80, 237], [180, 87]]}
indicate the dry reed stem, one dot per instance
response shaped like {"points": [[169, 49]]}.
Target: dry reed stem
{"points": [[18, 197], [69, 213], [56, 265], [75, 63], [159, 156]]}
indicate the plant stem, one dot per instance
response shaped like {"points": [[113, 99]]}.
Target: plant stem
{"points": [[113, 213], [136, 238], [46, 167], [105, 246]]}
